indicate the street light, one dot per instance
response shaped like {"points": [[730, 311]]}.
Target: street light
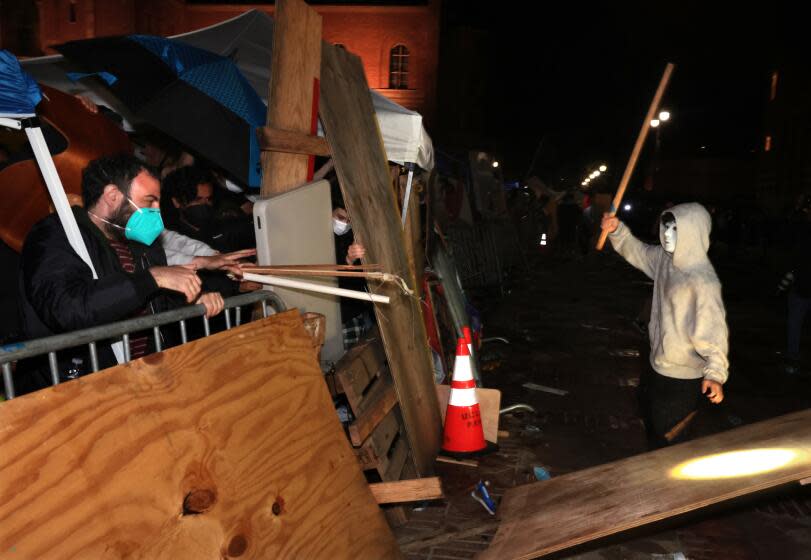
{"points": [[654, 123], [603, 168], [495, 164], [664, 116]]}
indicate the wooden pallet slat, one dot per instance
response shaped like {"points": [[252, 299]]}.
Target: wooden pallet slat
{"points": [[374, 408]]}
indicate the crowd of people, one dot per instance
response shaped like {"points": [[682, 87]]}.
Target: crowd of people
{"points": [[163, 229]]}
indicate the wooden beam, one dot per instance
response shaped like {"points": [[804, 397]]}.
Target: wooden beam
{"points": [[360, 161], [569, 510], [228, 446], [293, 97], [416, 490], [291, 142]]}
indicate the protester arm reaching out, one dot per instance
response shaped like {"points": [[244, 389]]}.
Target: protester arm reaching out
{"points": [[640, 255]]}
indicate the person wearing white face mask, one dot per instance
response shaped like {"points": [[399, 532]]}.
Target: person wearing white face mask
{"points": [[688, 331], [356, 316]]}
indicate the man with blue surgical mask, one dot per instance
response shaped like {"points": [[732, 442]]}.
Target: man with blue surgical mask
{"points": [[120, 223]]}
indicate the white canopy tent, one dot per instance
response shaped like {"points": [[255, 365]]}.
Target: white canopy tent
{"points": [[248, 39]]}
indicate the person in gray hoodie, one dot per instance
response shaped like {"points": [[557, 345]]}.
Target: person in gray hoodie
{"points": [[687, 330]]}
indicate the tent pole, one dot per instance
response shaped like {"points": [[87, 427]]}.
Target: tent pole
{"points": [[410, 167], [57, 191]]}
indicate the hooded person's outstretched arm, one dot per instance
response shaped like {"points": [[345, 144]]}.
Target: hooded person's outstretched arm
{"points": [[641, 255]]}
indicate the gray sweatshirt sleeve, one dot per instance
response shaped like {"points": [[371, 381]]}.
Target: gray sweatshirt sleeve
{"points": [[709, 334], [641, 255]]}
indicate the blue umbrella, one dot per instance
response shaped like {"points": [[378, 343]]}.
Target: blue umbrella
{"points": [[198, 97]]}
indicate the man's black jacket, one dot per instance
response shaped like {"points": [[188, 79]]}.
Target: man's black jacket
{"points": [[57, 292]]}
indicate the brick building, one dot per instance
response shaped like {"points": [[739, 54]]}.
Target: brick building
{"points": [[397, 41]]}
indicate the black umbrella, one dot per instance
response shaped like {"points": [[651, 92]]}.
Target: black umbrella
{"points": [[197, 97]]}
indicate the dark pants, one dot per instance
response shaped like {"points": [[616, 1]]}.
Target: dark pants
{"points": [[798, 306], [666, 401]]}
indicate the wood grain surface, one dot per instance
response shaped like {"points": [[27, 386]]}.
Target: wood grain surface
{"points": [[225, 447], [556, 514], [294, 69], [360, 161]]}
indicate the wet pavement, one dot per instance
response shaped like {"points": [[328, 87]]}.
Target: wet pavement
{"points": [[570, 326]]}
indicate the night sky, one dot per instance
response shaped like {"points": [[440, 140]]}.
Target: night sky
{"points": [[583, 76]]}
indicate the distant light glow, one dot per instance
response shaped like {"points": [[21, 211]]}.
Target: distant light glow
{"points": [[664, 116], [584, 183], [654, 123], [495, 164], [596, 173], [627, 207], [734, 464], [603, 168]]}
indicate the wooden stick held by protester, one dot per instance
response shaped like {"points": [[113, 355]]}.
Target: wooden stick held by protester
{"points": [[640, 141]]}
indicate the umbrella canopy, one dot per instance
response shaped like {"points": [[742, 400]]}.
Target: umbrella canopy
{"points": [[198, 97], [19, 94]]}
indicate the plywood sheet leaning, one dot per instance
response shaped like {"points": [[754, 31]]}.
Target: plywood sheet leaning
{"points": [[292, 99], [360, 161], [225, 447], [576, 508]]}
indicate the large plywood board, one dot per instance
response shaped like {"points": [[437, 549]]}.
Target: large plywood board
{"points": [[569, 510], [360, 161], [225, 447]]}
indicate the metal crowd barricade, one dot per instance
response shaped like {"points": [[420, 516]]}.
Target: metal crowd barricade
{"points": [[10, 353]]}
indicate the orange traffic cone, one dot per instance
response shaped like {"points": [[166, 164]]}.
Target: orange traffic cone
{"points": [[464, 434], [466, 332]]}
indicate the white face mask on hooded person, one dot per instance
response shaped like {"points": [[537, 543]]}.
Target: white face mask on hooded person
{"points": [[340, 227], [670, 235]]}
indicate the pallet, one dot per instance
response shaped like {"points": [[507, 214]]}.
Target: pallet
{"points": [[377, 434]]}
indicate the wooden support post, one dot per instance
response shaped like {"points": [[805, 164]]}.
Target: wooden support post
{"points": [[360, 161], [293, 97]]}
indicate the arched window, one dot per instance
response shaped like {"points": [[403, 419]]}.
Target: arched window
{"points": [[398, 67]]}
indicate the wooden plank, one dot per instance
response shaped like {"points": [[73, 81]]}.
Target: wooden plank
{"points": [[805, 481], [227, 446], [380, 400], [572, 509], [294, 71], [360, 161], [489, 404], [397, 461], [357, 369], [375, 449], [415, 490], [291, 142]]}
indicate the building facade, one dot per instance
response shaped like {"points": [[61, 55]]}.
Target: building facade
{"points": [[399, 44]]}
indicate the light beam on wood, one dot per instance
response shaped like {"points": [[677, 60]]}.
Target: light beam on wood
{"points": [[572, 509]]}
